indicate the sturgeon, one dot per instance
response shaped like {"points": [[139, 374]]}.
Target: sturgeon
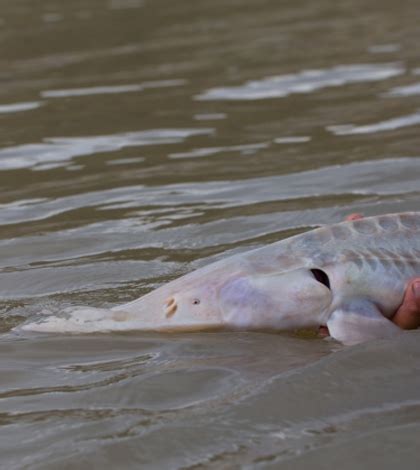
{"points": [[350, 276]]}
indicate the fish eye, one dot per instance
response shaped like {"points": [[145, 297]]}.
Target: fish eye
{"points": [[196, 301]]}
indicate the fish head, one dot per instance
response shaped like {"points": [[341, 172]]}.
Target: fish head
{"points": [[234, 299], [297, 298]]}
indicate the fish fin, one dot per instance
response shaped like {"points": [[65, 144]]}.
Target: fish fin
{"points": [[360, 321]]}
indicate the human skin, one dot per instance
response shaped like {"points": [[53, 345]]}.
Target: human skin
{"points": [[407, 316]]}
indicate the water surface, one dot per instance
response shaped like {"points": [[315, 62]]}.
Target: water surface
{"points": [[141, 139]]}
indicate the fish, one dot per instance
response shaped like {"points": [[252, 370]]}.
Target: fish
{"points": [[350, 276]]}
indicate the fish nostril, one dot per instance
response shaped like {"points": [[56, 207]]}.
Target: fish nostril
{"points": [[170, 301], [171, 309]]}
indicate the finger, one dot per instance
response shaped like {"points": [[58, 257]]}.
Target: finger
{"points": [[408, 315], [323, 331], [354, 216]]}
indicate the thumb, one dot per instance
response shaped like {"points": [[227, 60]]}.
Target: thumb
{"points": [[408, 315]]}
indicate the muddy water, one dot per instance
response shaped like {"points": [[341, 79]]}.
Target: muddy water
{"points": [[140, 139]]}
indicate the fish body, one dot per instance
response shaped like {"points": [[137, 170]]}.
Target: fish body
{"points": [[350, 276]]}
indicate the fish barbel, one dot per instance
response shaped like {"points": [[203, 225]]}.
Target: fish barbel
{"points": [[350, 276]]}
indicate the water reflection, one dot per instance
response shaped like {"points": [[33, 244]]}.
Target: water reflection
{"points": [[210, 116], [58, 151], [125, 4], [376, 177], [384, 48], [383, 126], [408, 90], [292, 139], [206, 152], [108, 90], [105, 107], [19, 107], [304, 82]]}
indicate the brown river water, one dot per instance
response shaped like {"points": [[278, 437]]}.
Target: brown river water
{"points": [[140, 139]]}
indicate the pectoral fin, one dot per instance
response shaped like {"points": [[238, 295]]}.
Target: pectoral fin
{"points": [[360, 321]]}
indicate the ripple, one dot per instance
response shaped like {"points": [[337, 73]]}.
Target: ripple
{"points": [[125, 161], [374, 177], [48, 280], [292, 140], [246, 149], [125, 4], [50, 255], [383, 126], [19, 107], [58, 149], [384, 48], [119, 226], [106, 90], [209, 116], [303, 82], [408, 90], [52, 17]]}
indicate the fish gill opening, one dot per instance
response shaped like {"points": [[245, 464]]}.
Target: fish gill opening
{"points": [[322, 277]]}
